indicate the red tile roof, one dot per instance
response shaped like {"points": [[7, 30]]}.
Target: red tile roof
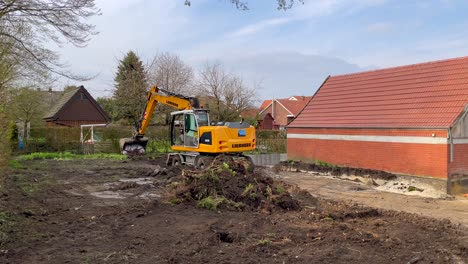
{"points": [[295, 106], [265, 104], [431, 95]]}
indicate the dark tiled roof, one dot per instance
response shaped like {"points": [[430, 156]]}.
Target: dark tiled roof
{"points": [[61, 103], [431, 95]]}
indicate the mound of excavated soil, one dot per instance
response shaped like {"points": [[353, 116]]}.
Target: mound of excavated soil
{"points": [[232, 184], [334, 170]]}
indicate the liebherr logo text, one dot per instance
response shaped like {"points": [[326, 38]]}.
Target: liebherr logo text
{"points": [[244, 145], [172, 103]]}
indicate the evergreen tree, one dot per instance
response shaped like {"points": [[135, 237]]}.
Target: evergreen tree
{"points": [[130, 88]]}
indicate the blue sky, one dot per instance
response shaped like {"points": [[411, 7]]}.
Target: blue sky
{"points": [[287, 53]]}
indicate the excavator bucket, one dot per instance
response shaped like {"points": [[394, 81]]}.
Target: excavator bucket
{"points": [[133, 146]]}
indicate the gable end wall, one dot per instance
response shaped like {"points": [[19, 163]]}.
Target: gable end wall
{"points": [[459, 164], [80, 110]]}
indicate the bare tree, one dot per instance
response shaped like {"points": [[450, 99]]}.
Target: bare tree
{"points": [[244, 97], [168, 71], [243, 5], [228, 92], [27, 26], [212, 83]]}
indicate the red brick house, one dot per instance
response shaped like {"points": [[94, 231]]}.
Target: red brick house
{"points": [[409, 120], [75, 108], [277, 113]]}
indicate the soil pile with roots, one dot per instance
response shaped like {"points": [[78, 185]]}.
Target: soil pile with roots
{"points": [[234, 185]]}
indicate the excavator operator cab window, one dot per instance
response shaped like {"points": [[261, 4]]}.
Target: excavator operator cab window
{"points": [[178, 130], [190, 130], [184, 130], [202, 118]]}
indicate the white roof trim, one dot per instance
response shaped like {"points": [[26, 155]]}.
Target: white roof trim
{"points": [[284, 107], [387, 139], [265, 108]]}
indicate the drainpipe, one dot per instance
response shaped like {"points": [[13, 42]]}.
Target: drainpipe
{"points": [[273, 107], [451, 143]]}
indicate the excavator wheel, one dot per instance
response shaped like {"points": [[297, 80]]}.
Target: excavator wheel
{"points": [[173, 160], [203, 162]]}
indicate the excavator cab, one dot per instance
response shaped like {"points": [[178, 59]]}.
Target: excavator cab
{"points": [[185, 127]]}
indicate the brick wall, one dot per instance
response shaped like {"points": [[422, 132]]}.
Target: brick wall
{"points": [[279, 113], [407, 158]]}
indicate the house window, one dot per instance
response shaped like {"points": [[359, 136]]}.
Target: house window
{"points": [[83, 97]]}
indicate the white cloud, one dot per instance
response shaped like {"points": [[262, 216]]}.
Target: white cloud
{"points": [[254, 28], [383, 27], [300, 12], [306, 11]]}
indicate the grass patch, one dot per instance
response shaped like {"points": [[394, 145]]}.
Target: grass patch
{"points": [[14, 164], [215, 202], [324, 164], [228, 169], [280, 189], [210, 176], [264, 242], [175, 200], [210, 202], [69, 156], [247, 189]]}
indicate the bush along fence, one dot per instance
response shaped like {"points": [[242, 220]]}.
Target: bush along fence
{"points": [[106, 140]]}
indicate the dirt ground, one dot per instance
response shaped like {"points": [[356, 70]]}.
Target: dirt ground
{"points": [[439, 206], [110, 211]]}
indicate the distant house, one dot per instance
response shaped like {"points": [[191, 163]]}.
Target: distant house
{"points": [[74, 108], [277, 113], [409, 120]]}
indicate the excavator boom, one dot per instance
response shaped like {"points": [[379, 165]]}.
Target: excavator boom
{"points": [[137, 144]]}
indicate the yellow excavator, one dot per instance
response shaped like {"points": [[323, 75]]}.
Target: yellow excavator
{"points": [[194, 139]]}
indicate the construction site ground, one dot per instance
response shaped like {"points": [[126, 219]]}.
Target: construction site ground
{"points": [[114, 211], [435, 204]]}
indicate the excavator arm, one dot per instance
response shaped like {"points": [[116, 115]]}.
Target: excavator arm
{"points": [[137, 144]]}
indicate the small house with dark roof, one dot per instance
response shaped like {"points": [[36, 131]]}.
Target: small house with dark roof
{"points": [[408, 120], [277, 113], [76, 107]]}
